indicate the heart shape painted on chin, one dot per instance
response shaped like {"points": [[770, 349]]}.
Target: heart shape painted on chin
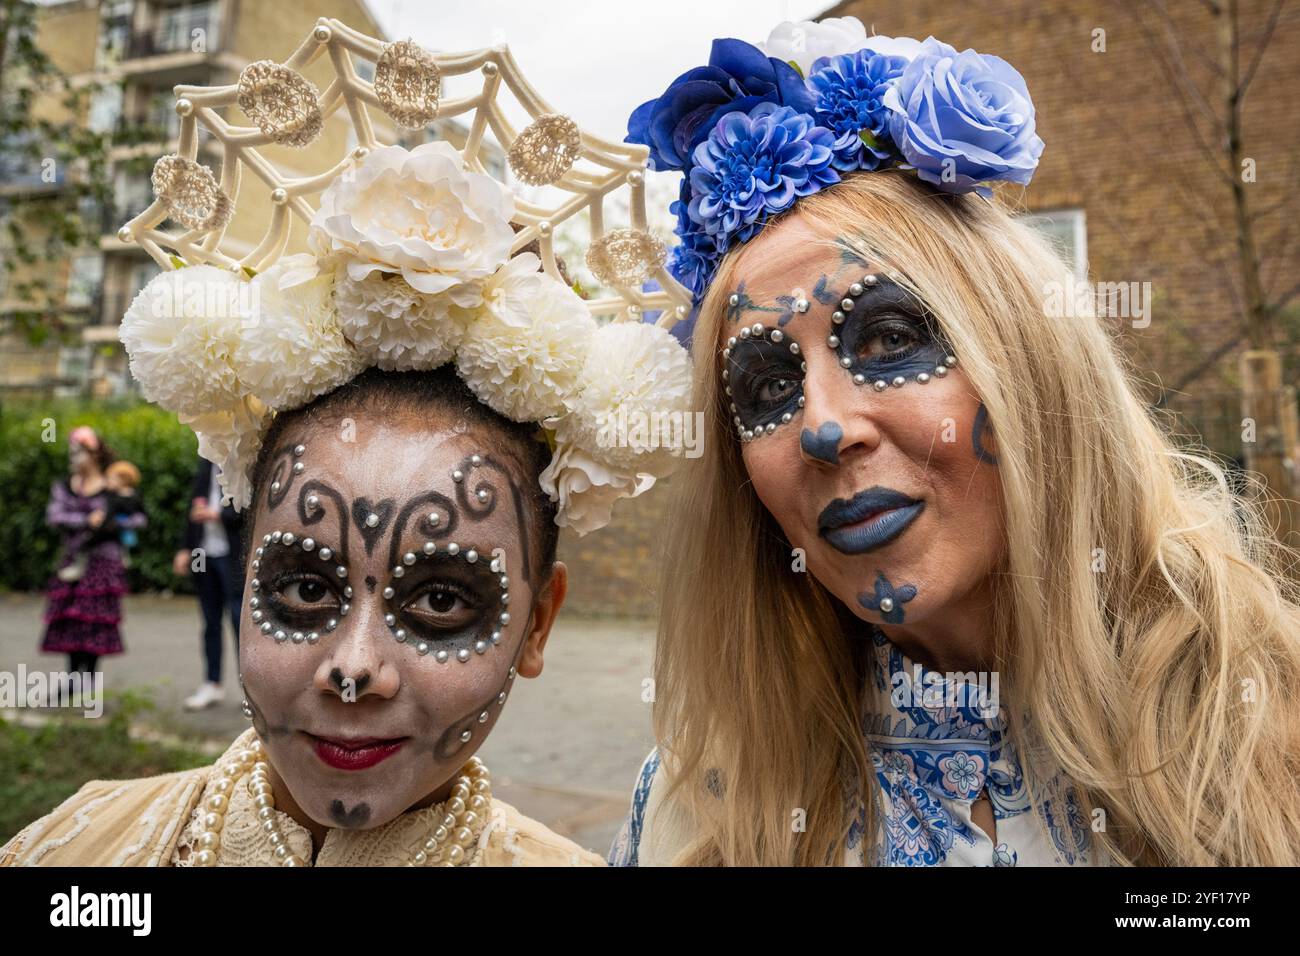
{"points": [[362, 509]]}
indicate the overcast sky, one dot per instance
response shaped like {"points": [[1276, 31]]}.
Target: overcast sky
{"points": [[594, 60]]}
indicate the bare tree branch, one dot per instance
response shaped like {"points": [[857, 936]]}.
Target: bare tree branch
{"points": [[1262, 47]]}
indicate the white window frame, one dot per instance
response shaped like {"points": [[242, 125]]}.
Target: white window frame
{"points": [[1077, 221]]}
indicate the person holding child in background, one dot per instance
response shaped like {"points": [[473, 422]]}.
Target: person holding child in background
{"points": [[84, 608]]}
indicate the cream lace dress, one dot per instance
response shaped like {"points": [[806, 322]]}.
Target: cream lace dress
{"points": [[155, 821]]}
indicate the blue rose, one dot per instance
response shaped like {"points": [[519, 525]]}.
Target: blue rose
{"points": [[850, 101], [962, 119], [753, 165], [738, 77]]}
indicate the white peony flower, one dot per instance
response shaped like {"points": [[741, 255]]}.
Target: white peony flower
{"points": [[635, 392], [585, 489], [182, 334], [231, 440], [419, 214], [293, 347], [803, 43], [526, 372]]}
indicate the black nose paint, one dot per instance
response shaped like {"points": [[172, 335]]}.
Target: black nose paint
{"points": [[823, 444]]}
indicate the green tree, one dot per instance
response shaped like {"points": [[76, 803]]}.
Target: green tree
{"points": [[54, 178]]}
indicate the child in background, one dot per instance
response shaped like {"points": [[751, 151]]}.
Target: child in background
{"points": [[117, 520]]}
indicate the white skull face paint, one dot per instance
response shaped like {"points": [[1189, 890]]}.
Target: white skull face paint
{"points": [[416, 587]]}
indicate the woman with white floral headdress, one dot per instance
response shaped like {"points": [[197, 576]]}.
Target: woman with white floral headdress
{"points": [[943, 594], [409, 412]]}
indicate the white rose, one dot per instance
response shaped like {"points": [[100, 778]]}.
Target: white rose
{"points": [[635, 390], [526, 372], [805, 42], [182, 335], [293, 347], [585, 489], [419, 214]]}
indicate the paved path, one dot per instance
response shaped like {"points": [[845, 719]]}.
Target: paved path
{"points": [[566, 751]]}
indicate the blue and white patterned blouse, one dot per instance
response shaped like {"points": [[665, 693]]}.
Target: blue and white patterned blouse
{"points": [[936, 746]]}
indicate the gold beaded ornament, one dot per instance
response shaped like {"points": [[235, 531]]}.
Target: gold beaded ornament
{"points": [[579, 168]]}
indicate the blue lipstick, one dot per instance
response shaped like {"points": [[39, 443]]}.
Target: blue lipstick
{"points": [[891, 512]]}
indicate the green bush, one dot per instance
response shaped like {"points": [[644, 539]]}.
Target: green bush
{"points": [[40, 767], [164, 450]]}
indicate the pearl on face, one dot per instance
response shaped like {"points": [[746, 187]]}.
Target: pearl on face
{"points": [[372, 520], [388, 593]]}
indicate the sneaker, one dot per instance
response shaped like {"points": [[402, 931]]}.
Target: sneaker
{"points": [[205, 696]]}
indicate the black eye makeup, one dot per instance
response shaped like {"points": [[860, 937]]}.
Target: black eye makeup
{"points": [[300, 591], [450, 602], [883, 336], [762, 376]]}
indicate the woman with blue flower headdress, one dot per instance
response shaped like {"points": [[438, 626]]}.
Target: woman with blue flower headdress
{"points": [[942, 593]]}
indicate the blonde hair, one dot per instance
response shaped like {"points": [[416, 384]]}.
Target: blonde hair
{"points": [[1165, 687], [128, 472]]}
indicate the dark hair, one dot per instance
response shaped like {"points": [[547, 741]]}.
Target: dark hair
{"points": [[424, 394], [102, 455]]}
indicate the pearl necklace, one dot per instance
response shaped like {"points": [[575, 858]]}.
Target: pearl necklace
{"points": [[464, 812]]}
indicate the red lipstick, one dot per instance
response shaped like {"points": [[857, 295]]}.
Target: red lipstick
{"points": [[355, 754]]}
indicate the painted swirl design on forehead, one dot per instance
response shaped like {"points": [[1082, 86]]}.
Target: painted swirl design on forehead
{"points": [[286, 466]]}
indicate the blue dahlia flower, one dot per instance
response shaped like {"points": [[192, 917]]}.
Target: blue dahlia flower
{"points": [[963, 119], [737, 77], [850, 93], [695, 258], [753, 165]]}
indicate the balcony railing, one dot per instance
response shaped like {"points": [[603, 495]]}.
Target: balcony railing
{"points": [[176, 36]]}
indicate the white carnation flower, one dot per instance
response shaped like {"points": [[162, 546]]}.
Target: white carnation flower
{"points": [[803, 43], [293, 347], [231, 440], [585, 489], [182, 334], [635, 392], [419, 214], [526, 372], [396, 326]]}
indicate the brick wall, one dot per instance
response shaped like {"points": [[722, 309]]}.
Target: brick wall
{"points": [[615, 572], [1119, 148]]}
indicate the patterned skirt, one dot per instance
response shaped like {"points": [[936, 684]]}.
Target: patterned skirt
{"points": [[84, 615]]}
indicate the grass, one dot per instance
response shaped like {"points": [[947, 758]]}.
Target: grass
{"points": [[42, 766]]}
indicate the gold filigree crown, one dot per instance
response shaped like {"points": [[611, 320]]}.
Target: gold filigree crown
{"points": [[289, 110]]}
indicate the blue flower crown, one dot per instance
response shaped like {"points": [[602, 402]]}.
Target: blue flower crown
{"points": [[758, 127]]}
